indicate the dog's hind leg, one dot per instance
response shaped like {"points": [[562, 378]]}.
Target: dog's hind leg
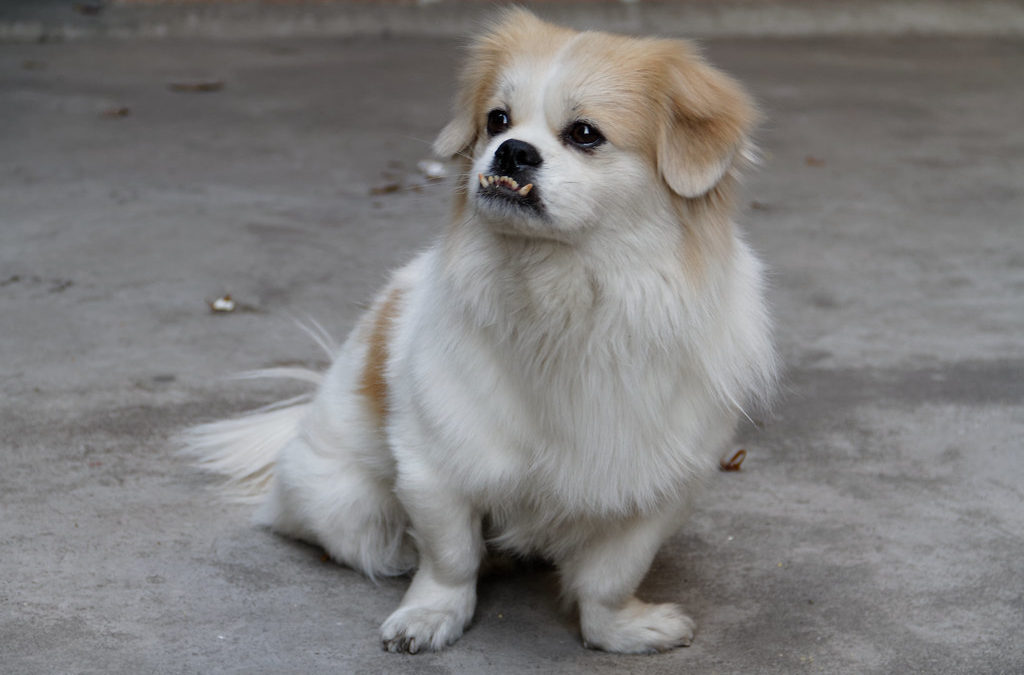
{"points": [[332, 500]]}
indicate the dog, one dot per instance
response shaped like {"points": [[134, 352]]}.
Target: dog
{"points": [[558, 372]]}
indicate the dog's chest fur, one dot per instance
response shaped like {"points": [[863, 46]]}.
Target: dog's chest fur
{"points": [[583, 397]]}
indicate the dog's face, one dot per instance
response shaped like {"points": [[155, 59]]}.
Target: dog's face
{"points": [[566, 132]]}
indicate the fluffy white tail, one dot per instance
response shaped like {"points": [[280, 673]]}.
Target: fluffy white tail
{"points": [[244, 449]]}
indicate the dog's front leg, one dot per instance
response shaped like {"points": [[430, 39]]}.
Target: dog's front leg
{"points": [[440, 601], [603, 575]]}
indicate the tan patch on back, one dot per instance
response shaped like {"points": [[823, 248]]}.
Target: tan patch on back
{"points": [[373, 384]]}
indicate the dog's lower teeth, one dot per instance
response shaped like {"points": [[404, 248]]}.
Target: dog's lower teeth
{"points": [[525, 190]]}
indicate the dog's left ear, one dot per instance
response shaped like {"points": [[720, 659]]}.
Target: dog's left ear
{"points": [[458, 136], [708, 122]]}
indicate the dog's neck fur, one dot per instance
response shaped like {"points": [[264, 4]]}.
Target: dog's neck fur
{"points": [[547, 280], [574, 297], [556, 309]]}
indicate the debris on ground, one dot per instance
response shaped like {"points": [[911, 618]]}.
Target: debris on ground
{"points": [[117, 111], [197, 86], [735, 462], [87, 8], [222, 304], [431, 169], [385, 189]]}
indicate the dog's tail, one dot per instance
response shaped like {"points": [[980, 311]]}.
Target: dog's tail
{"points": [[244, 449]]}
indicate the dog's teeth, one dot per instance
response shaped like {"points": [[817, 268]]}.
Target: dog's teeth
{"points": [[504, 181]]}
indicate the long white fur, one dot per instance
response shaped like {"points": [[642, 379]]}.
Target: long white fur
{"points": [[565, 380]]}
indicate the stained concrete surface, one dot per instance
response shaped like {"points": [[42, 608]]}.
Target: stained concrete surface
{"points": [[31, 20], [876, 526]]}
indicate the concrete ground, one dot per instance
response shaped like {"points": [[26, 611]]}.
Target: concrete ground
{"points": [[876, 525], [30, 20]]}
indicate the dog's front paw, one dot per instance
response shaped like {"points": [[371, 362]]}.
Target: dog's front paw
{"points": [[414, 629], [636, 628]]}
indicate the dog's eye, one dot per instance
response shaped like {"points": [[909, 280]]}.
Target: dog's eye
{"points": [[497, 122], [584, 135]]}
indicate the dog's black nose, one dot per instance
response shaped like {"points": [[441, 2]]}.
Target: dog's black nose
{"points": [[514, 155]]}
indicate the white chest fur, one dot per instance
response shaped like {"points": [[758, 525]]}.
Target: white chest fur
{"points": [[531, 377]]}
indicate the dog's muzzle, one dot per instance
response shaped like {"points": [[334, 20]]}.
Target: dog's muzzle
{"points": [[510, 179]]}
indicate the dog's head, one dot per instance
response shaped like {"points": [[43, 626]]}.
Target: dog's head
{"points": [[566, 131]]}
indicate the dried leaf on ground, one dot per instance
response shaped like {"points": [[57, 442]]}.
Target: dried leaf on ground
{"points": [[735, 462], [385, 189], [197, 86]]}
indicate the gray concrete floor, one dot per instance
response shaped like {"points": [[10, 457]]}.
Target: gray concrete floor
{"points": [[31, 20], [876, 526]]}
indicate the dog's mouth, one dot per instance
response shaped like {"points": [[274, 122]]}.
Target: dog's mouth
{"points": [[507, 189], [504, 185]]}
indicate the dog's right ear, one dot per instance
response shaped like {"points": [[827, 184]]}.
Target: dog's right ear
{"points": [[459, 135], [475, 82], [484, 60]]}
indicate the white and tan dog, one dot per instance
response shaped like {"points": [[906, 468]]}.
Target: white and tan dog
{"points": [[557, 372]]}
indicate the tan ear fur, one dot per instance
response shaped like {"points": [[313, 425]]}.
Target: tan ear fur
{"points": [[455, 138], [706, 132], [477, 73], [515, 30], [458, 136], [476, 80]]}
